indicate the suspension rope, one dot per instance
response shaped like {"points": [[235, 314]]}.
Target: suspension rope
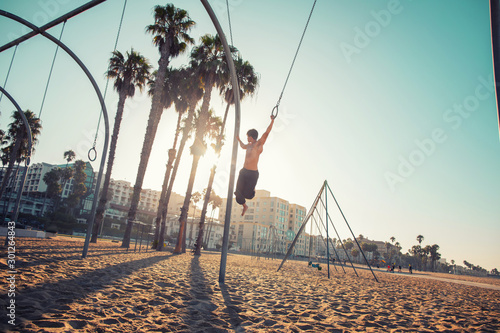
{"points": [[93, 158], [273, 114], [8, 72], [229, 20], [50, 73]]}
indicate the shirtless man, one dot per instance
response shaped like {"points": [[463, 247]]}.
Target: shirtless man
{"points": [[247, 179]]}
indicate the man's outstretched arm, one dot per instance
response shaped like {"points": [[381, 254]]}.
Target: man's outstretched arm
{"points": [[266, 133]]}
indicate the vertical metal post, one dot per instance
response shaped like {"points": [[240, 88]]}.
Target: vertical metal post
{"points": [[37, 30], [236, 91], [327, 235], [253, 236], [142, 233], [20, 193], [136, 234], [352, 233]]}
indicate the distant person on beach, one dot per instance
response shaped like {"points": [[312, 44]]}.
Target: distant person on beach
{"points": [[410, 269], [247, 179], [399, 269]]}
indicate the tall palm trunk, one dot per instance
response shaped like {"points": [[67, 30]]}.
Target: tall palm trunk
{"points": [[152, 127], [198, 151], [199, 240], [180, 247], [171, 158], [185, 136], [111, 159]]}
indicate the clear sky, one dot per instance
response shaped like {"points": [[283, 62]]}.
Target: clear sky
{"points": [[391, 102]]}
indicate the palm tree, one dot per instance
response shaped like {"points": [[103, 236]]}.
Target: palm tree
{"points": [[420, 238], [69, 156], [129, 72], [248, 82], [191, 91], [208, 59], [67, 172], [398, 248], [416, 251], [435, 255], [208, 126], [170, 35], [18, 149], [388, 249], [54, 188], [172, 94], [79, 188], [425, 253]]}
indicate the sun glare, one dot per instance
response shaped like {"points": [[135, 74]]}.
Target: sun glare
{"points": [[210, 158]]}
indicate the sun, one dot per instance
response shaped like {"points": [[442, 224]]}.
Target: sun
{"points": [[210, 158]]}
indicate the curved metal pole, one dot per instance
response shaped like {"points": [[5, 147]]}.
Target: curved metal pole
{"points": [[30, 146], [236, 90], [90, 222], [51, 24], [495, 48], [25, 122]]}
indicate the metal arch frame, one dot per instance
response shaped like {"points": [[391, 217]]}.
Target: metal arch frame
{"points": [[25, 121], [30, 146], [495, 48], [42, 32], [234, 82]]}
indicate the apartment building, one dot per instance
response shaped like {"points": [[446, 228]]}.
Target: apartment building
{"points": [[35, 202], [269, 225], [33, 199], [212, 234]]}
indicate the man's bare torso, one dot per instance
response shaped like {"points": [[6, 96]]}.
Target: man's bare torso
{"points": [[252, 156]]}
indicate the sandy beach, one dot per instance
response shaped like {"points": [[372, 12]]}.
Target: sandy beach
{"points": [[113, 290]]}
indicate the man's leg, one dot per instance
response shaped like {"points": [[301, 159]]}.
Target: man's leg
{"points": [[250, 183], [240, 187]]}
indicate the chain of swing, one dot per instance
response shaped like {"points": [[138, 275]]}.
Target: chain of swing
{"points": [[273, 114], [92, 155], [275, 110]]}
